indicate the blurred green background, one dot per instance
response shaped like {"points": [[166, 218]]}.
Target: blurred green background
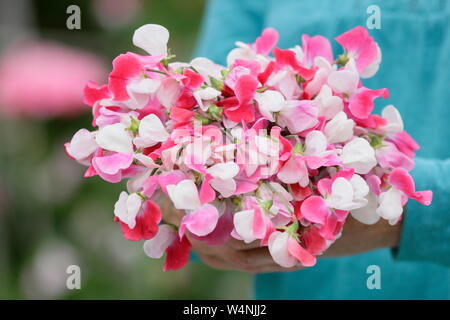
{"points": [[50, 217]]}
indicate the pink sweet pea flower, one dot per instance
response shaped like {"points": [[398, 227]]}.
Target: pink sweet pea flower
{"points": [[251, 225], [361, 103], [94, 93], [167, 241], [287, 252], [288, 58], [360, 46], [404, 143], [316, 155], [402, 180], [109, 167], [267, 41], [126, 79], [342, 195], [200, 219], [316, 46], [82, 146], [388, 156], [298, 116], [139, 219], [245, 90], [313, 241]]}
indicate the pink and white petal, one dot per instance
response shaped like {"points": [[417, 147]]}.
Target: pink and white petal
{"points": [[316, 143], [127, 208], [314, 209], [82, 145], [278, 248], [202, 222], [226, 187], [259, 224], [156, 246], [316, 46], [207, 193], [343, 81], [301, 254], [289, 173], [402, 180], [224, 171], [150, 185], [243, 224], [113, 163], [394, 119], [168, 92], [170, 178]]}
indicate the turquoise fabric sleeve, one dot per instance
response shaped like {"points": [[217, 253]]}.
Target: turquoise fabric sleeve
{"points": [[426, 229], [225, 23]]}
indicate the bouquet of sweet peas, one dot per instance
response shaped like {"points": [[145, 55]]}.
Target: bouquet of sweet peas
{"points": [[279, 146]]}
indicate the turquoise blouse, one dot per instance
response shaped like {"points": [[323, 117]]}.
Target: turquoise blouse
{"points": [[415, 41]]}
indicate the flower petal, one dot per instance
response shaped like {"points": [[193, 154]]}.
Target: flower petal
{"points": [[156, 246], [152, 38]]}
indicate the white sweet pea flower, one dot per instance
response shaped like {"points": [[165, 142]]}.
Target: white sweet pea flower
{"points": [[243, 223], [278, 248], [156, 246], [223, 174], [243, 51], [206, 94], [394, 120], [151, 131], [359, 155], [82, 145], [360, 190], [390, 204], [140, 92], [184, 195], [348, 195], [206, 68], [344, 81], [152, 38], [329, 105], [341, 195], [269, 101], [115, 137], [339, 129], [367, 214], [372, 68], [127, 208]]}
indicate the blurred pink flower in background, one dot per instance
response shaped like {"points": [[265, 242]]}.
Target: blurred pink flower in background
{"points": [[113, 14], [46, 80]]}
